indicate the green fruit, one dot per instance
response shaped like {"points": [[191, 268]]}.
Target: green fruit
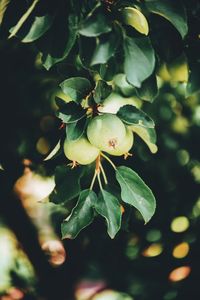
{"points": [[80, 151], [106, 132], [125, 145], [114, 101]]}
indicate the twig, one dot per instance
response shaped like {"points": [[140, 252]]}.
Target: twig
{"points": [[23, 19]]}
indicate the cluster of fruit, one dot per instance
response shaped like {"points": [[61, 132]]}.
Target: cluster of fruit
{"points": [[105, 132]]}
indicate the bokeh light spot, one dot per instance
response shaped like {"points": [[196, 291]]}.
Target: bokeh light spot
{"points": [[180, 224], [170, 295], [47, 123], [153, 235], [179, 273], [181, 250], [183, 157], [132, 249], [43, 146], [153, 250], [111, 295], [180, 125], [196, 172], [196, 209]]}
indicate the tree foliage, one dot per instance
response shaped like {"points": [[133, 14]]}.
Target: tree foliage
{"points": [[99, 41]]}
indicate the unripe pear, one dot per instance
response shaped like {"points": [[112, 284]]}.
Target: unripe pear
{"points": [[106, 132], [114, 101], [80, 151], [125, 145]]}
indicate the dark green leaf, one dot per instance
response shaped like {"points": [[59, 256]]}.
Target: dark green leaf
{"points": [[70, 112], [114, 189], [108, 70], [139, 61], [166, 40], [76, 88], [148, 135], [123, 86], [149, 89], [67, 182], [173, 11], [82, 215], [102, 91], [129, 114], [86, 43], [105, 48], [75, 130], [56, 44], [135, 192], [95, 25], [108, 206], [33, 31], [60, 102], [23, 18]]}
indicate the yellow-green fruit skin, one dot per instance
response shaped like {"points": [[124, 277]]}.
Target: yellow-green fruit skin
{"points": [[114, 101], [106, 132], [80, 151], [125, 146]]}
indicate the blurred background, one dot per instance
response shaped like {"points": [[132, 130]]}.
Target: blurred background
{"points": [[157, 261]]}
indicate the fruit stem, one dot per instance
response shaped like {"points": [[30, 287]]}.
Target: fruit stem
{"points": [[103, 173], [98, 161], [109, 160], [99, 180], [93, 179]]}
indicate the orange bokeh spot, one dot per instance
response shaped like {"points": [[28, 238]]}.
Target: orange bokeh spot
{"points": [[179, 273], [153, 250], [181, 250]]}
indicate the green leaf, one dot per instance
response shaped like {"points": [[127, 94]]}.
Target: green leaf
{"points": [[77, 88], [173, 11], [60, 102], [67, 182], [23, 19], [139, 61], [3, 6], [82, 215], [102, 91], [135, 192], [107, 71], [56, 44], [75, 130], [39, 26], [135, 18], [148, 135], [123, 86], [108, 206], [95, 25], [105, 48], [129, 114], [55, 150], [86, 43], [70, 112], [149, 89]]}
